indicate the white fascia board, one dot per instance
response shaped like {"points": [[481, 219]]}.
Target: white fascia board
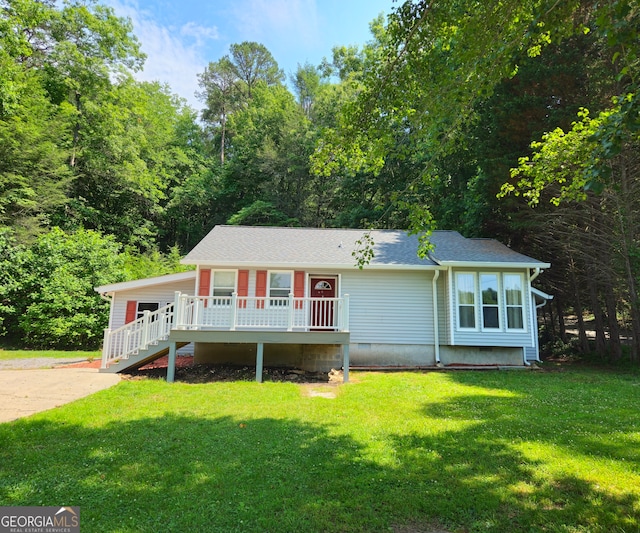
{"points": [[308, 266], [493, 264], [145, 282]]}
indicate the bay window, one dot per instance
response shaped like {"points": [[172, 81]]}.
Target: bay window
{"points": [[490, 301]]}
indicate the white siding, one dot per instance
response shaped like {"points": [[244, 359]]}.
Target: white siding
{"points": [[443, 307], [389, 307], [160, 294]]}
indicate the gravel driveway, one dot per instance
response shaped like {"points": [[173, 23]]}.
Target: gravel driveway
{"points": [[37, 362], [28, 386]]}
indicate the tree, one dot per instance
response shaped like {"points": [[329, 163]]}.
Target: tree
{"points": [[55, 305], [55, 61], [270, 156], [221, 95], [131, 156], [306, 82], [253, 63]]}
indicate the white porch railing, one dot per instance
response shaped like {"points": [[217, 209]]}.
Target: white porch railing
{"points": [[150, 328], [226, 313], [253, 313]]}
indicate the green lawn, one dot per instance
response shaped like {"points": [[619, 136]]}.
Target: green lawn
{"points": [[6, 354], [409, 452]]}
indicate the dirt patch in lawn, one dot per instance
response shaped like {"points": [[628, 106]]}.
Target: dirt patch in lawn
{"points": [[187, 372]]}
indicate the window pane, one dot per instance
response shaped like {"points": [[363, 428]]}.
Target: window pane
{"points": [[224, 279], [513, 289], [489, 284], [279, 293], [466, 289], [280, 280], [222, 292], [467, 316], [490, 317], [514, 318]]}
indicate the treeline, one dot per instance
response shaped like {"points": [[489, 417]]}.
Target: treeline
{"points": [[429, 125]]}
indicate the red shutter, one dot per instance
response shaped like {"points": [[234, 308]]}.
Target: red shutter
{"points": [[298, 287], [243, 286], [205, 282], [261, 287], [132, 311]]}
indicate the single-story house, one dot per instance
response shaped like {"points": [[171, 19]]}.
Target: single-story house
{"points": [[297, 297]]}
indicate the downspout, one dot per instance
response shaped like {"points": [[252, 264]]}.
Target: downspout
{"points": [[436, 331], [537, 271]]}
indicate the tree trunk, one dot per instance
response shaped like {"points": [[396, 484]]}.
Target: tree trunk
{"points": [[562, 327], [615, 348], [582, 333], [598, 320]]}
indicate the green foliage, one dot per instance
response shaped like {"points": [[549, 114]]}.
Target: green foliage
{"points": [[151, 263], [11, 256], [54, 300], [261, 213]]}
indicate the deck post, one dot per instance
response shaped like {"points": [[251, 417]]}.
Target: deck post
{"points": [[259, 361], [290, 315], [345, 363], [171, 365], [234, 311], [345, 316], [177, 311], [146, 324]]}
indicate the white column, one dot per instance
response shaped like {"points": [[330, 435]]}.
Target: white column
{"points": [[345, 363], [259, 362], [171, 365]]}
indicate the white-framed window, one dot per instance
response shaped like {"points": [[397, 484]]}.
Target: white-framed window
{"points": [[490, 301], [514, 300], [466, 292], [223, 282], [280, 284], [489, 292]]}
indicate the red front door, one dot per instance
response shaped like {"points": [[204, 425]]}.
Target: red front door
{"points": [[322, 312]]}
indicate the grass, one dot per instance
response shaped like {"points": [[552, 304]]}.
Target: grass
{"points": [[411, 452], [6, 354]]}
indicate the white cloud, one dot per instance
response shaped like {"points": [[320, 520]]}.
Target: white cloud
{"points": [[200, 33], [170, 59], [295, 21]]}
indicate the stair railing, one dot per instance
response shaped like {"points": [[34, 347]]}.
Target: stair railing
{"points": [[128, 340]]}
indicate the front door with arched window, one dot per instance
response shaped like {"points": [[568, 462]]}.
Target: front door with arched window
{"points": [[322, 312]]}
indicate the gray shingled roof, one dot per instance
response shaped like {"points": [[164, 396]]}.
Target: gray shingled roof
{"points": [[272, 247]]}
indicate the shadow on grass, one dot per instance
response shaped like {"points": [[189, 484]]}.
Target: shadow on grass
{"points": [[184, 473], [177, 473]]}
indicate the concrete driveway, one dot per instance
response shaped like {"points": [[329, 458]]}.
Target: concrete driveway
{"points": [[28, 391]]}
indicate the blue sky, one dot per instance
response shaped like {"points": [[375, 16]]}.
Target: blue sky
{"points": [[181, 37]]}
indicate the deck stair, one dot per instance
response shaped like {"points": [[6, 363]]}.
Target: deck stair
{"points": [[139, 342], [144, 356]]}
